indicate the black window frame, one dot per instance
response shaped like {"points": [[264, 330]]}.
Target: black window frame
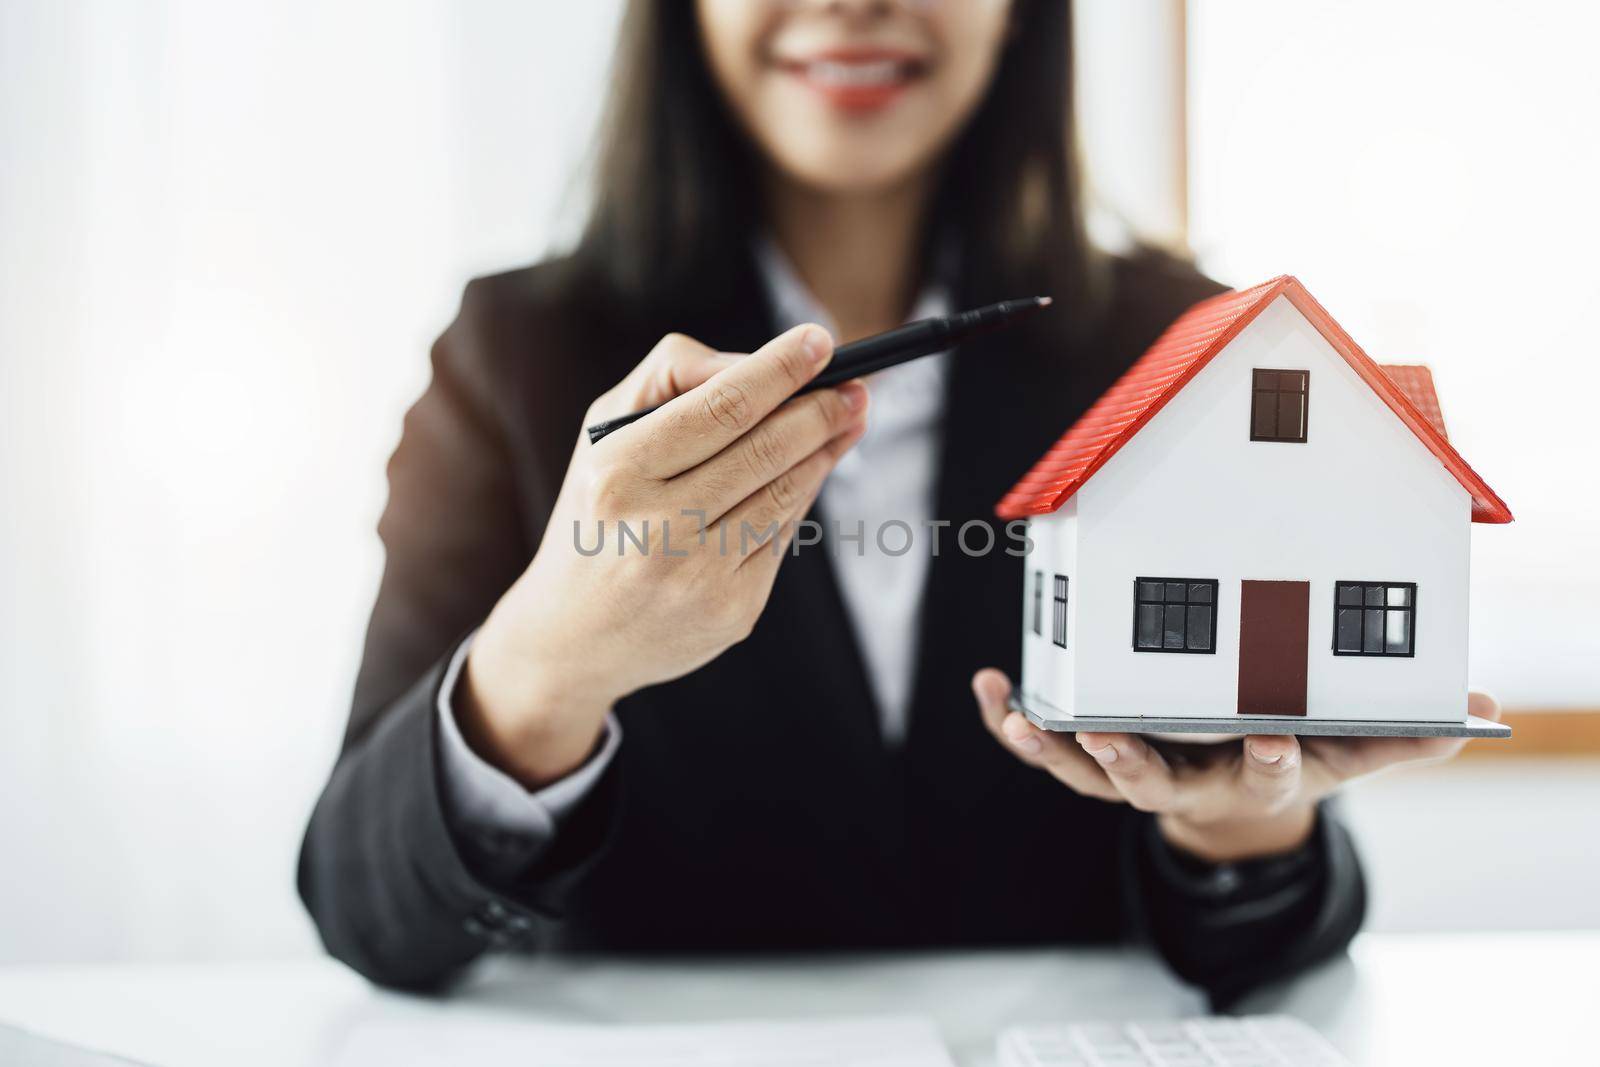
{"points": [[1139, 600], [1275, 392], [1058, 612], [1038, 603], [1409, 609]]}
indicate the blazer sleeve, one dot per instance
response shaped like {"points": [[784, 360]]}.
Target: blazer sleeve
{"points": [[387, 881], [1234, 928]]}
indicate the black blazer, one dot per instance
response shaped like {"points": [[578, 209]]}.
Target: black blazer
{"points": [[775, 821]]}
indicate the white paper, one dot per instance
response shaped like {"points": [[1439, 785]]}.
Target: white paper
{"points": [[491, 1042]]}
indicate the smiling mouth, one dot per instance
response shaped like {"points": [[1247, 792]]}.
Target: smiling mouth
{"points": [[857, 81]]}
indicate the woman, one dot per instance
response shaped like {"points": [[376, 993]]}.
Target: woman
{"points": [[696, 747]]}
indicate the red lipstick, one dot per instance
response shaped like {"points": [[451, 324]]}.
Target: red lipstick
{"points": [[857, 79]]}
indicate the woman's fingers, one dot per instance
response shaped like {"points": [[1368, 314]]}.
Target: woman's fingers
{"points": [[1060, 756], [693, 427], [1344, 758], [1137, 771], [789, 435], [765, 528], [762, 524], [992, 688], [674, 366], [1050, 752], [1269, 771], [1483, 706], [677, 364], [1339, 759]]}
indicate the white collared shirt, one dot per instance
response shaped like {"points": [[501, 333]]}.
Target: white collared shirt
{"points": [[886, 484]]}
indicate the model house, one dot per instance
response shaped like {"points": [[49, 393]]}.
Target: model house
{"points": [[1255, 521]]}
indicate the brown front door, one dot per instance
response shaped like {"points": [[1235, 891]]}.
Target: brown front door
{"points": [[1273, 628]]}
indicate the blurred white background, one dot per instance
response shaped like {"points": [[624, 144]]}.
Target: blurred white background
{"points": [[1432, 173], [229, 231]]}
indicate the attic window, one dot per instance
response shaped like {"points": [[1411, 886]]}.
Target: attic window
{"points": [[1278, 405], [1374, 619], [1174, 615]]}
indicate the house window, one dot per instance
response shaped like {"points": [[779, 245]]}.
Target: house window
{"points": [[1038, 602], [1374, 619], [1058, 623], [1174, 615], [1278, 405]]}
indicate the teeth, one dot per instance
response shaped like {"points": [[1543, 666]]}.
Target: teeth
{"points": [[853, 75]]}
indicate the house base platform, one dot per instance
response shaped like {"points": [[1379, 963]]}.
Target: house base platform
{"points": [[1048, 718]]}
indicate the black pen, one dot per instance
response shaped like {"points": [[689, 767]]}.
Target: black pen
{"points": [[890, 348]]}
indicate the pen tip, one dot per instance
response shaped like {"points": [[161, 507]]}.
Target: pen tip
{"points": [[1044, 301]]}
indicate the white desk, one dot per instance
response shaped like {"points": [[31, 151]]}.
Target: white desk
{"points": [[1491, 998]]}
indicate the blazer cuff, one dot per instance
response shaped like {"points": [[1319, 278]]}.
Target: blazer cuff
{"points": [[1231, 928], [396, 892], [489, 811]]}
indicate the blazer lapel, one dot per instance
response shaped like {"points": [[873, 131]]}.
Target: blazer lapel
{"points": [[1010, 396]]}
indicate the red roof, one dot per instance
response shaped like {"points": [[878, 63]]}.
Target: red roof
{"points": [[1182, 352]]}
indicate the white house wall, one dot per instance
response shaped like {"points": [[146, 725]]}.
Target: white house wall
{"points": [[1191, 496], [1047, 670], [1033, 652]]}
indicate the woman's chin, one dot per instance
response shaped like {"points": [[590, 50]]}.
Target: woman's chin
{"points": [[850, 171]]}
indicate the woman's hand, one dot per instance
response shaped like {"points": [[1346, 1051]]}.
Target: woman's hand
{"points": [[581, 629], [1236, 802]]}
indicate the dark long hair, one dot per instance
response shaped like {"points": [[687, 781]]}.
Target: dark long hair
{"points": [[677, 198]]}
